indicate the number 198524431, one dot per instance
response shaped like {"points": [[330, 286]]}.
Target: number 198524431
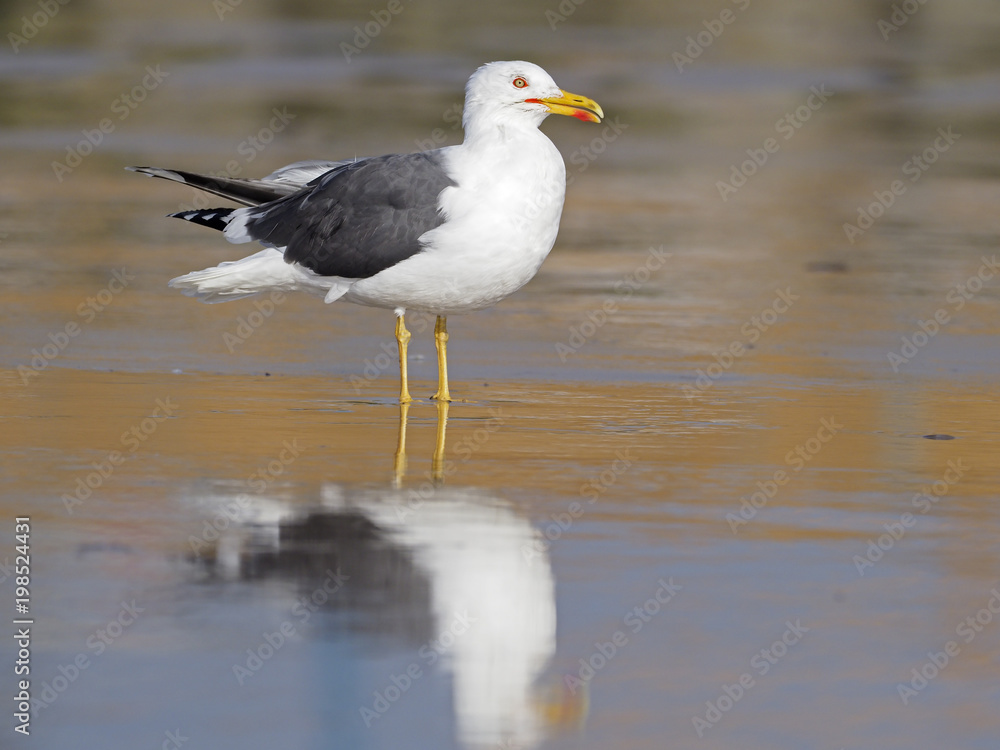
{"points": [[22, 564]]}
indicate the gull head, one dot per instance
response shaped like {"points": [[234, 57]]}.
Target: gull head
{"points": [[517, 92]]}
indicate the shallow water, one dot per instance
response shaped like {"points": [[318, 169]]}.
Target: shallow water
{"points": [[719, 477]]}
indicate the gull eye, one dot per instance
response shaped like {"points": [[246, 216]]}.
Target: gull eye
{"points": [[520, 82]]}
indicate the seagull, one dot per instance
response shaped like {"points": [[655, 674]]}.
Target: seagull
{"points": [[444, 232]]}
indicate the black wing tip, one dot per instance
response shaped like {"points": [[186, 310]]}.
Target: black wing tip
{"points": [[214, 218]]}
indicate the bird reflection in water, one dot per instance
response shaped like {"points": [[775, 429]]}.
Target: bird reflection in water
{"points": [[454, 569]]}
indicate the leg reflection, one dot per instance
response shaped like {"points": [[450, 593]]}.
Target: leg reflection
{"points": [[399, 463], [437, 460]]}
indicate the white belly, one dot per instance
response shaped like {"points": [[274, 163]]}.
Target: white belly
{"points": [[457, 279]]}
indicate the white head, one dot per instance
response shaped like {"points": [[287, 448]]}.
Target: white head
{"points": [[517, 93]]}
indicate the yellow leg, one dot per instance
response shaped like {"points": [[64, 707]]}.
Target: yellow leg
{"points": [[402, 339], [441, 344], [437, 462], [399, 464]]}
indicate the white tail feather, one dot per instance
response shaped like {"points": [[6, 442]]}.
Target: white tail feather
{"points": [[265, 271], [261, 272]]}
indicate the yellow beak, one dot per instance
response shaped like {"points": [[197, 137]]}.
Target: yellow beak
{"points": [[573, 105]]}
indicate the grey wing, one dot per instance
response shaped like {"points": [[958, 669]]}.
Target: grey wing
{"points": [[358, 218]]}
